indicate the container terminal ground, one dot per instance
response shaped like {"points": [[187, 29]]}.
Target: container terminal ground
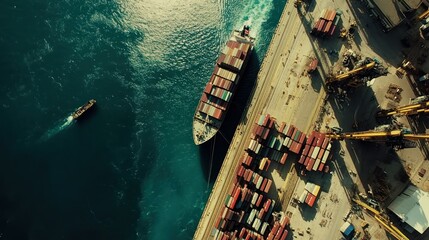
{"points": [[285, 90]]}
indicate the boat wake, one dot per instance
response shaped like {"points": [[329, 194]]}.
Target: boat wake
{"points": [[60, 126], [255, 14]]}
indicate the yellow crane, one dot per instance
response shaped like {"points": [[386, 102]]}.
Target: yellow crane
{"points": [[372, 135], [387, 225], [423, 15], [345, 76], [410, 109]]}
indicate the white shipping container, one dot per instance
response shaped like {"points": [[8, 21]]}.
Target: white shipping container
{"points": [[258, 184], [256, 224], [316, 165], [285, 142], [254, 198], [325, 156], [258, 148], [315, 152], [251, 216], [264, 228], [289, 143]]}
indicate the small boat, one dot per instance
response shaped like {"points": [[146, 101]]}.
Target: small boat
{"points": [[82, 109]]}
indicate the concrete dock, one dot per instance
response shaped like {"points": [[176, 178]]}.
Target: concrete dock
{"points": [[288, 93], [269, 90]]}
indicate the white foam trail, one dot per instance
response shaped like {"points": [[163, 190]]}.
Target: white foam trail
{"points": [[61, 125], [255, 14]]}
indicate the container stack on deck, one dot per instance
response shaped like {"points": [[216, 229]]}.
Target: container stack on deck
{"points": [[226, 75], [248, 211], [326, 24], [316, 153]]}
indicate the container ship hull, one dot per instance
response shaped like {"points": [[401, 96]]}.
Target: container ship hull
{"points": [[218, 92], [82, 109]]}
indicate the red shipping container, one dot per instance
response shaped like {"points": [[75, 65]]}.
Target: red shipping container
{"points": [[259, 201], [310, 139], [275, 228], [261, 213], [306, 149], [271, 123], [310, 199], [321, 25], [282, 126], [266, 133], [302, 138], [310, 164], [267, 188], [301, 159], [283, 159], [290, 131], [264, 183], [321, 152], [307, 159], [279, 233], [325, 143], [321, 166], [284, 235]]}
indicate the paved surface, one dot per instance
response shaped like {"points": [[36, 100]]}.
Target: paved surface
{"points": [[284, 90]]}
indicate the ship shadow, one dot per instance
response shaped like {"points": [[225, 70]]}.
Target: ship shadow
{"points": [[87, 115], [213, 152]]}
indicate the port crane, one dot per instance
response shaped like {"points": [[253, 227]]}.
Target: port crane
{"points": [[399, 138], [383, 220], [341, 78], [411, 109]]}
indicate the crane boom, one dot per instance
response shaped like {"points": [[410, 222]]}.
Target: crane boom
{"points": [[351, 73], [378, 135], [410, 109], [394, 231]]}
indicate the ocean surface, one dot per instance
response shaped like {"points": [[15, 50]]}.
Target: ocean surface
{"points": [[129, 169]]}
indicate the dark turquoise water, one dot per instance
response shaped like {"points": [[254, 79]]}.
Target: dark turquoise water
{"points": [[129, 170]]}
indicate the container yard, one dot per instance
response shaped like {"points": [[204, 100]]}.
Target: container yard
{"points": [[328, 139]]}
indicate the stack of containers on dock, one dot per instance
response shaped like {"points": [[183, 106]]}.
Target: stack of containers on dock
{"points": [[316, 152], [326, 24], [294, 138], [309, 194], [279, 231], [248, 211]]}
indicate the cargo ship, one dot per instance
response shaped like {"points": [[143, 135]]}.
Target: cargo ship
{"points": [[215, 100], [82, 109]]}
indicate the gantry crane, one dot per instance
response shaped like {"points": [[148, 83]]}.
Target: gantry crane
{"points": [[410, 109], [398, 138], [341, 78], [383, 220], [372, 135]]}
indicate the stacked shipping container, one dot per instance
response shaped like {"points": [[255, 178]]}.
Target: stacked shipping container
{"points": [[309, 194], [294, 138], [316, 153], [326, 24], [219, 90], [248, 209]]}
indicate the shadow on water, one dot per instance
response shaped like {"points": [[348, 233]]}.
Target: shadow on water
{"points": [[220, 143]]}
